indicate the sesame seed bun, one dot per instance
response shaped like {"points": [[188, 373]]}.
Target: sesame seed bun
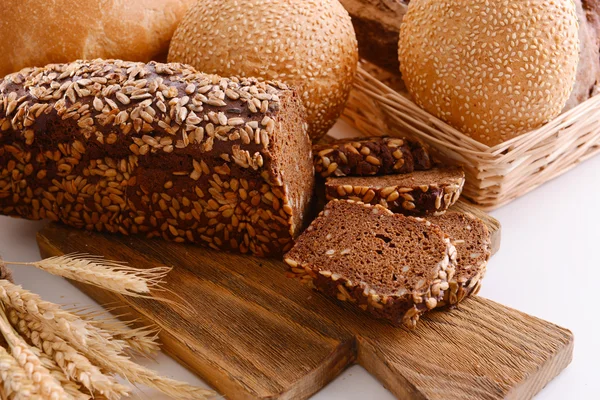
{"points": [[36, 33], [308, 44], [492, 69]]}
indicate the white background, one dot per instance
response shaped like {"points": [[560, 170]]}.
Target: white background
{"points": [[548, 266]]}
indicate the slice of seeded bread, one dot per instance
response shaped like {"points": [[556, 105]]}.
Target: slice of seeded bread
{"points": [[473, 244], [393, 266], [416, 193], [370, 156]]}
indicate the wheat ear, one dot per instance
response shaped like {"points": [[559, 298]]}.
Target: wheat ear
{"points": [[136, 373], [73, 364], [98, 271], [73, 389], [64, 324], [141, 340], [76, 331], [50, 388], [15, 382]]}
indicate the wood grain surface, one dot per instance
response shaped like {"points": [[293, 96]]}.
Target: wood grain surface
{"points": [[252, 333]]}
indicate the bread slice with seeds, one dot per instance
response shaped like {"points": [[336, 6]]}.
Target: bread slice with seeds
{"points": [[370, 156], [365, 255], [473, 244], [417, 193]]}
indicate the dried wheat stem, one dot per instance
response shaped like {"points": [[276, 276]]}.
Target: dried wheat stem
{"points": [[64, 324], [111, 275], [49, 387], [73, 364], [15, 382]]}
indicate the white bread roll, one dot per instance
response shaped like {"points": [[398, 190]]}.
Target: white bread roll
{"points": [[39, 32]]}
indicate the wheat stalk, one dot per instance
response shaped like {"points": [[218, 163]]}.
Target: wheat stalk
{"points": [[97, 271], [73, 364], [15, 383], [63, 324], [91, 342], [49, 387]]}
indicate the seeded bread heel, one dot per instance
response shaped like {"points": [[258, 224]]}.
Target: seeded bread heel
{"points": [[367, 157], [473, 244], [156, 149], [417, 193], [364, 254]]}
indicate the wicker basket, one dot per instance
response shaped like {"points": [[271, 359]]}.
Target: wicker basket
{"points": [[495, 175]]}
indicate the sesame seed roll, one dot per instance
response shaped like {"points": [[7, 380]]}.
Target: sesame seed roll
{"points": [[306, 43], [492, 69]]}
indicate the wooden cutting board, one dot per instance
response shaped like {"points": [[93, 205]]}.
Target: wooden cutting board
{"points": [[252, 333]]}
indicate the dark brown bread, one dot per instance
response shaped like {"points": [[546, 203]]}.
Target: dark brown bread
{"points": [[370, 156], [417, 193], [472, 240], [366, 255], [156, 149], [377, 25]]}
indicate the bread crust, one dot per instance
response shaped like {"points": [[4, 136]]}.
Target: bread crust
{"points": [[472, 240], [156, 149]]}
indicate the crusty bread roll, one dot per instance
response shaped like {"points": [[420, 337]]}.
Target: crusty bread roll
{"points": [[491, 76], [37, 32], [305, 43]]}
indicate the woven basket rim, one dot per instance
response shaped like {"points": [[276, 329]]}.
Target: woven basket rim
{"points": [[520, 144]]}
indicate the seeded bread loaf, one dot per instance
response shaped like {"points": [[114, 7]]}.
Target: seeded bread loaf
{"points": [[156, 149], [377, 26], [417, 193], [472, 240], [370, 156], [366, 255]]}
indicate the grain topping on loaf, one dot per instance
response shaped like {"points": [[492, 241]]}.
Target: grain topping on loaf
{"points": [[393, 266], [158, 149], [370, 156], [416, 193]]}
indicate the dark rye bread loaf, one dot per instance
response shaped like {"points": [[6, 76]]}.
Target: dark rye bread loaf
{"points": [[366, 255], [370, 156], [156, 149], [377, 26], [417, 193], [473, 244]]}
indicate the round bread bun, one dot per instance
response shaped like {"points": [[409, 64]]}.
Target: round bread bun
{"points": [[308, 44], [38, 32], [492, 69]]}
